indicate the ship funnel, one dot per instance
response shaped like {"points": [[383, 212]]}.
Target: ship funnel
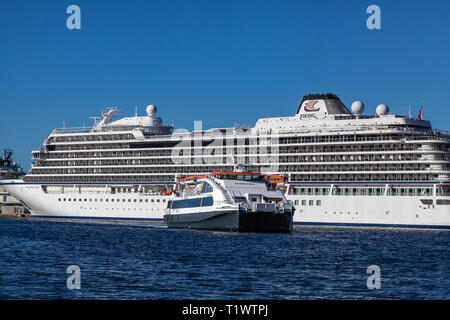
{"points": [[322, 103]]}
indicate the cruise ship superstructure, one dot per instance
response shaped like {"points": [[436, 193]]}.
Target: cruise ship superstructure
{"points": [[343, 167]]}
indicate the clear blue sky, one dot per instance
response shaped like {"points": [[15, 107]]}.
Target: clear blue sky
{"points": [[216, 61]]}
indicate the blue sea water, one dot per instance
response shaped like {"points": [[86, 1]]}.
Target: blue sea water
{"points": [[145, 260]]}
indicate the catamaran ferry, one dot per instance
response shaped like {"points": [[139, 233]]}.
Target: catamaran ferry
{"points": [[336, 166]]}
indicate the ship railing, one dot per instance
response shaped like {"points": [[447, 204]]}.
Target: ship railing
{"points": [[222, 202], [71, 130]]}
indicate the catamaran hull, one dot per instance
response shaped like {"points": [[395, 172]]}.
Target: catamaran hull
{"points": [[233, 221]]}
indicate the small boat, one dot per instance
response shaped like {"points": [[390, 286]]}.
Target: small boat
{"points": [[229, 201]]}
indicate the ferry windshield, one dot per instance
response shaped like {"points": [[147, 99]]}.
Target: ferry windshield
{"points": [[240, 176]]}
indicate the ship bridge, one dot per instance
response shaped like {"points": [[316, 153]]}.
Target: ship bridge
{"points": [[150, 124]]}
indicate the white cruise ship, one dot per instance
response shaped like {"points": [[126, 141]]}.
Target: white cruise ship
{"points": [[343, 167]]}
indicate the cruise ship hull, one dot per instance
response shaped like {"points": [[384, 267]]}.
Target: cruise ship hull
{"points": [[383, 211]]}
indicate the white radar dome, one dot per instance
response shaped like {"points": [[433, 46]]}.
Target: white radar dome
{"points": [[382, 109], [151, 110], [357, 107]]}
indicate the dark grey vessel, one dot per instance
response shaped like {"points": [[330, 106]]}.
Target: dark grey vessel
{"points": [[235, 221]]}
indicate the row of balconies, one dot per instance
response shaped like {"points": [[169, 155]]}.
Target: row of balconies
{"points": [[171, 178], [283, 168]]}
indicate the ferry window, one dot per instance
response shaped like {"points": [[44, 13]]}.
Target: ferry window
{"points": [[80, 199], [146, 200], [296, 202], [206, 187], [106, 200], [95, 199], [303, 202], [157, 200], [4, 199], [101, 199], [70, 199], [85, 199], [123, 200], [153, 200], [319, 202], [75, 199], [164, 200], [135, 200], [129, 200], [140, 200], [112, 200], [208, 201], [311, 202]]}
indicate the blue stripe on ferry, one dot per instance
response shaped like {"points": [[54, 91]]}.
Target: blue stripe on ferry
{"points": [[336, 224]]}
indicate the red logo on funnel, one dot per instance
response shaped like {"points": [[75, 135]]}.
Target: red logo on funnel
{"points": [[310, 106]]}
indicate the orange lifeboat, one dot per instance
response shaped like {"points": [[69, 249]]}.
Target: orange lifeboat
{"points": [[192, 178], [275, 178]]}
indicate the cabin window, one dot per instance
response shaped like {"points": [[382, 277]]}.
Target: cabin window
{"points": [[208, 201], [206, 187], [186, 203]]}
